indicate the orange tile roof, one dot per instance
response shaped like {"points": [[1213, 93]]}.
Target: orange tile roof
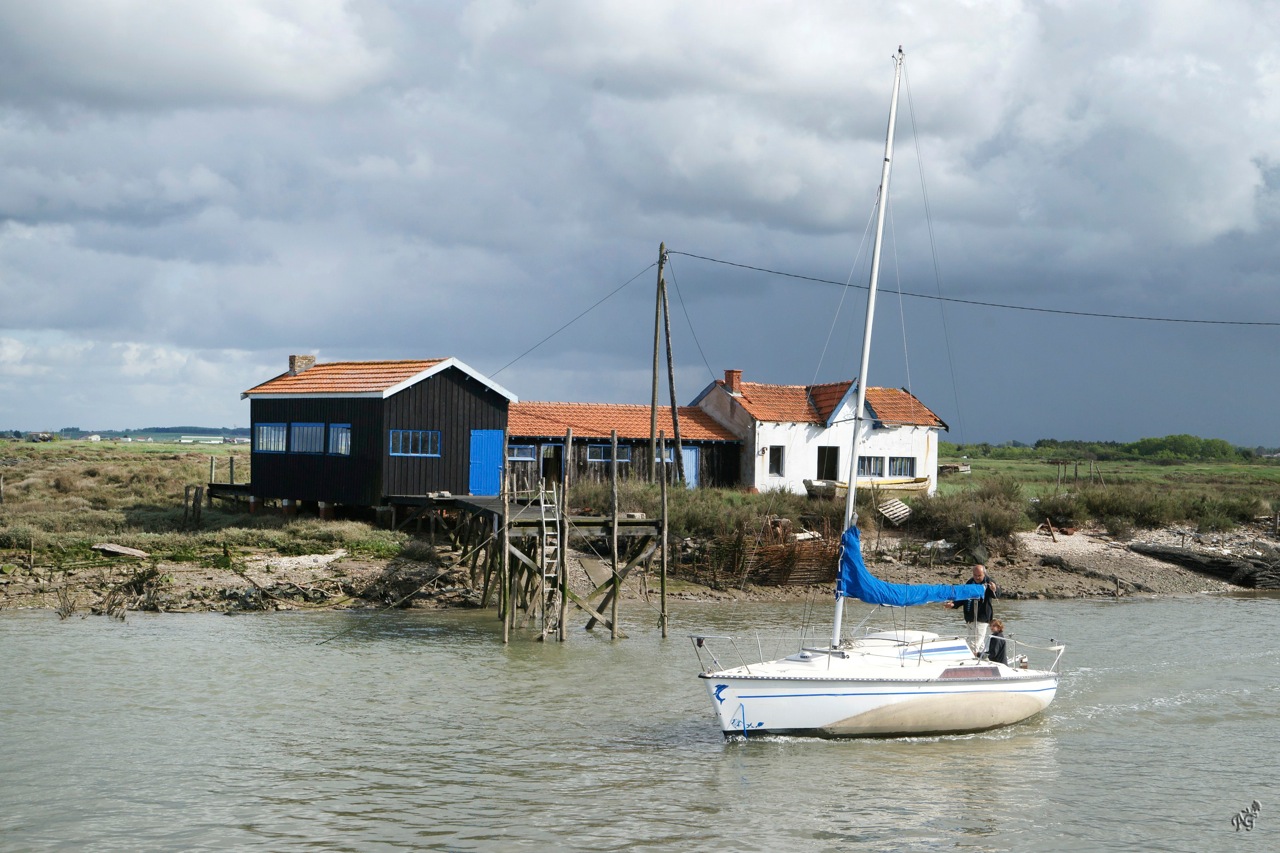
{"points": [[345, 377], [596, 420], [827, 397], [898, 406], [779, 403], [815, 403]]}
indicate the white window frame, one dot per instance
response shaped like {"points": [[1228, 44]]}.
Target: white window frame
{"points": [[777, 460]]}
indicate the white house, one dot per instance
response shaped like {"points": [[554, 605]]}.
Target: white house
{"points": [[793, 433]]}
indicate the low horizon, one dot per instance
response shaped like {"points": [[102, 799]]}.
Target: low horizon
{"points": [[1007, 443]]}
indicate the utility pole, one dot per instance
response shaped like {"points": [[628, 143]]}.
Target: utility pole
{"points": [[657, 333], [671, 379]]}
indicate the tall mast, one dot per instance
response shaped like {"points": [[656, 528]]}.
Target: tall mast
{"points": [[851, 499]]}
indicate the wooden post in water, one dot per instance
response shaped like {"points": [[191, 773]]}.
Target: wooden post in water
{"points": [[613, 537], [662, 562], [566, 458], [508, 585]]}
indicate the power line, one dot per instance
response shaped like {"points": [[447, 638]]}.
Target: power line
{"points": [[597, 304], [981, 304], [689, 321]]}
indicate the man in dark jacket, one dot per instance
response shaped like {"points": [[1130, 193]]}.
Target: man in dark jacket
{"points": [[978, 612]]}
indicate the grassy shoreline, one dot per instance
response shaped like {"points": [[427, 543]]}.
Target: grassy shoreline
{"points": [[61, 498]]}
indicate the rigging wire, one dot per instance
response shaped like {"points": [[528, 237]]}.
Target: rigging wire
{"points": [[857, 261], [593, 307], [902, 311], [933, 254], [688, 320], [980, 303]]}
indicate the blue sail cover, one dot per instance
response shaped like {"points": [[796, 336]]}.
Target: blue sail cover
{"points": [[856, 582]]}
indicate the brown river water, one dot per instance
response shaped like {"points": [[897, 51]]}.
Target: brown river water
{"points": [[421, 731]]}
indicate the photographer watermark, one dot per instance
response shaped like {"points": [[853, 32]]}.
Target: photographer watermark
{"points": [[1245, 818]]}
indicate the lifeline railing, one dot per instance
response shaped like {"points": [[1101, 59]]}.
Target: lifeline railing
{"points": [[896, 649]]}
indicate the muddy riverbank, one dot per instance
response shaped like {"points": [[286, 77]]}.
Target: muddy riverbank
{"points": [[1082, 564]]}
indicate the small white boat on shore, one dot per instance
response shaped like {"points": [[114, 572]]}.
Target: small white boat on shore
{"points": [[897, 487]]}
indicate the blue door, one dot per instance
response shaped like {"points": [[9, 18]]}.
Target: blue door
{"points": [[486, 461], [689, 456]]}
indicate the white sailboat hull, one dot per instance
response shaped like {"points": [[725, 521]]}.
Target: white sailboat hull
{"points": [[870, 690]]}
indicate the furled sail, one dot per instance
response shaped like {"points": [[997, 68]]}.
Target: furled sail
{"points": [[856, 582]]}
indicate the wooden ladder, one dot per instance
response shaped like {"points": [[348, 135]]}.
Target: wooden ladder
{"points": [[551, 560]]}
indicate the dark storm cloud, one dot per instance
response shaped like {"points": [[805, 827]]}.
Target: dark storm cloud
{"points": [[189, 192]]}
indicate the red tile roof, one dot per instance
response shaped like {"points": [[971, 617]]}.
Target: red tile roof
{"points": [[346, 377], [596, 420], [897, 406], [815, 403], [779, 403], [827, 397]]}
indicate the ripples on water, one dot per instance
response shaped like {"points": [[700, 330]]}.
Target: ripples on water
{"points": [[421, 731]]}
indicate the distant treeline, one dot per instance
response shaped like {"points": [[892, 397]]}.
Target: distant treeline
{"points": [[195, 430], [76, 432], [1171, 448]]}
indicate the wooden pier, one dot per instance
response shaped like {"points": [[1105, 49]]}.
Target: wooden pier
{"points": [[515, 546]]}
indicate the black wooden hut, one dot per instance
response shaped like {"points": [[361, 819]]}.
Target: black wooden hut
{"points": [[364, 433]]}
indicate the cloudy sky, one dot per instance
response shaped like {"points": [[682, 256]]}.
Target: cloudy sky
{"points": [[190, 192]]}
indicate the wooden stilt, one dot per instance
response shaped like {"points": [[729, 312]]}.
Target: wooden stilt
{"points": [[613, 534], [662, 560], [475, 528], [567, 456], [507, 584]]}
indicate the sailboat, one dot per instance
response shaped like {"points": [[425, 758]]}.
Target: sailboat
{"points": [[877, 683]]}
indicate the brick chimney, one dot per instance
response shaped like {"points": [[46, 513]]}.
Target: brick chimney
{"points": [[733, 381], [301, 363]]}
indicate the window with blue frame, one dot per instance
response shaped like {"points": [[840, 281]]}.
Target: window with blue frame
{"points": [[671, 455], [306, 438], [870, 466], [601, 453], [339, 439], [522, 453], [902, 466], [415, 442], [270, 438]]}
